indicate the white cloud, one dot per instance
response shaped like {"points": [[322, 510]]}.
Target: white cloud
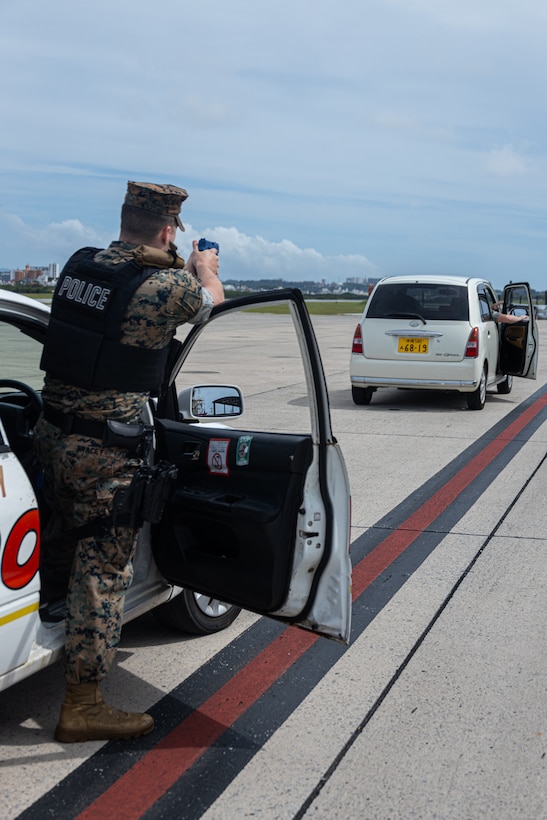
{"points": [[21, 244], [396, 120], [505, 161], [481, 15], [241, 256], [206, 113], [70, 231], [254, 257]]}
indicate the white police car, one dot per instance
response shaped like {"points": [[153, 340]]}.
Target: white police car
{"points": [[258, 517]]}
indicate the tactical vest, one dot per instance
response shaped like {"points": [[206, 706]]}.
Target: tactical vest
{"points": [[83, 345]]}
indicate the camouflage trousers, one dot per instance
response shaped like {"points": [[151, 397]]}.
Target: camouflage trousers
{"points": [[80, 480]]}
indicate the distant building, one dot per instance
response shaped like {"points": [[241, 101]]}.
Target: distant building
{"points": [[27, 275], [39, 274]]}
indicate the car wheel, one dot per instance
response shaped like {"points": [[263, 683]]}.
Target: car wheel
{"points": [[196, 613], [477, 399], [506, 385], [361, 395]]}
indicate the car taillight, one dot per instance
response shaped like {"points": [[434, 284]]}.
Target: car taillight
{"points": [[357, 346], [472, 346]]}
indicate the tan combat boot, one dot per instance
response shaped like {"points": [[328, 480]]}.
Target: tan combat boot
{"points": [[85, 716]]}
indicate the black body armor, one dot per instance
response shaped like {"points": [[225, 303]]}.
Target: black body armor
{"points": [[82, 345]]}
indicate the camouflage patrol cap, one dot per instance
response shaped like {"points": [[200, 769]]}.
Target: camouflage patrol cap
{"points": [[160, 199]]}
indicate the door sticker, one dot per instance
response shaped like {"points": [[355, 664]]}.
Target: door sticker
{"points": [[243, 450], [217, 456]]}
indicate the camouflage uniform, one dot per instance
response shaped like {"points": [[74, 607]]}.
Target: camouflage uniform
{"points": [[81, 476]]}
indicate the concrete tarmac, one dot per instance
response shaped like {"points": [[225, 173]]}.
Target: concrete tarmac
{"points": [[438, 709], [463, 731]]}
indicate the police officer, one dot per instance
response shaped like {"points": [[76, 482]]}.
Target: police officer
{"points": [[113, 318]]}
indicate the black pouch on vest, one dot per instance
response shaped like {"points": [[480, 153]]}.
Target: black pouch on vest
{"points": [[157, 488], [146, 496]]}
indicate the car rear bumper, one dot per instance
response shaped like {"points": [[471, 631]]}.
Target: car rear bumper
{"points": [[425, 384], [463, 375]]}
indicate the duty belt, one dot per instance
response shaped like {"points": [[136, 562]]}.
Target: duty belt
{"points": [[71, 424], [129, 436]]}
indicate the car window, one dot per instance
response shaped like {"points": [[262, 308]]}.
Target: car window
{"points": [[229, 350], [519, 301], [486, 302], [431, 301], [20, 357]]}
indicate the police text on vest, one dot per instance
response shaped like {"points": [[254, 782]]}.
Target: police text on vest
{"points": [[87, 293]]}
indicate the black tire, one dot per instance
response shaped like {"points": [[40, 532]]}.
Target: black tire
{"points": [[361, 395], [506, 385], [196, 613], [477, 399]]}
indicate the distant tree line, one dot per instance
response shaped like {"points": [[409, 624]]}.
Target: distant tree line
{"points": [[344, 290], [233, 288], [28, 287]]}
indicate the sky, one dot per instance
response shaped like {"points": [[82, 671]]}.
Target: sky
{"points": [[317, 140]]}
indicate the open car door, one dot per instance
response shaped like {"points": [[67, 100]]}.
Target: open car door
{"points": [[519, 343], [260, 512]]}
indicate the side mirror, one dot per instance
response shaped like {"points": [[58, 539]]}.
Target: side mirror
{"points": [[210, 401]]}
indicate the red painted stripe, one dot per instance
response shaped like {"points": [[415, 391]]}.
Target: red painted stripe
{"points": [[153, 775], [395, 544], [136, 791]]}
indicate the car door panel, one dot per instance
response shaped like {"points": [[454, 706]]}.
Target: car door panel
{"points": [[232, 523], [519, 343], [19, 554], [260, 513]]}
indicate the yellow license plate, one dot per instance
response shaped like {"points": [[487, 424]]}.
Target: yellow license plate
{"points": [[409, 344]]}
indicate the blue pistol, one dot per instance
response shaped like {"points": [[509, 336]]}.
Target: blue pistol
{"points": [[205, 245]]}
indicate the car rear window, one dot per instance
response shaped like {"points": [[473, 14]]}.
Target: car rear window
{"points": [[428, 301]]}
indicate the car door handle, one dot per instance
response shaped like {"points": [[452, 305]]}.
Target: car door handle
{"points": [[191, 452]]}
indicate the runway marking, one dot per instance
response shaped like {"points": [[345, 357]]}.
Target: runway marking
{"points": [[152, 776], [160, 767], [391, 547]]}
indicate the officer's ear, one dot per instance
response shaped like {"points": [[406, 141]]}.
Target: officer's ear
{"points": [[167, 234]]}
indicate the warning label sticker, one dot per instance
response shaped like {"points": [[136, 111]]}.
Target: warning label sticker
{"points": [[217, 456]]}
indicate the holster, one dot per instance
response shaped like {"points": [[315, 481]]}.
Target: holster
{"points": [[135, 437], [145, 498]]}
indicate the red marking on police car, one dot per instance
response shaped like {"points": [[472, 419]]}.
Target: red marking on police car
{"points": [[18, 570]]}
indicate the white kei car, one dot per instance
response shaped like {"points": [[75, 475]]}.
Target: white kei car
{"points": [[439, 333], [257, 519]]}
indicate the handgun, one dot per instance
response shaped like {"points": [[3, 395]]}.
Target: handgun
{"points": [[205, 245]]}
